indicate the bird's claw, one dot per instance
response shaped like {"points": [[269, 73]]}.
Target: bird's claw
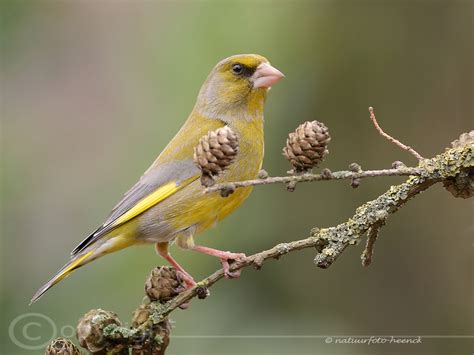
{"points": [[232, 274], [227, 260], [227, 255]]}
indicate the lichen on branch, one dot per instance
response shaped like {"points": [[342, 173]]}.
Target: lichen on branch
{"points": [[101, 332], [330, 242]]}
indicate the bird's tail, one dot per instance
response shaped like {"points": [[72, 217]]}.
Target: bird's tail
{"points": [[76, 262]]}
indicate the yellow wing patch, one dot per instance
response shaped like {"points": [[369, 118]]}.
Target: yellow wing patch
{"points": [[152, 199]]}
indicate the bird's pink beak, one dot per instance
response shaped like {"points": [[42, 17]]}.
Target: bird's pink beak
{"points": [[265, 76]]}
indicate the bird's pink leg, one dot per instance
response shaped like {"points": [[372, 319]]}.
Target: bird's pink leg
{"points": [[162, 250], [224, 256]]}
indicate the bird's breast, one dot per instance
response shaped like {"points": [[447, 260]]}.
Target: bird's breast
{"points": [[246, 166], [191, 207]]}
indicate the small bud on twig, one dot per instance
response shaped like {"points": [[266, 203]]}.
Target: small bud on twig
{"points": [[355, 183], [326, 174], [203, 292], [215, 152], [356, 168], [306, 147], [291, 186], [262, 174], [398, 164], [228, 190]]}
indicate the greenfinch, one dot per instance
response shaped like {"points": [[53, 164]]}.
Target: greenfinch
{"points": [[167, 204]]}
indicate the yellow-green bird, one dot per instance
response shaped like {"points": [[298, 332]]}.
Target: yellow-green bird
{"points": [[167, 204]]}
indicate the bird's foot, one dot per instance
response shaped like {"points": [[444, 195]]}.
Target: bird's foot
{"points": [[227, 273], [226, 258], [226, 262]]}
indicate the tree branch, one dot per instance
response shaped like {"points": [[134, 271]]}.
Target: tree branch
{"points": [[307, 177], [329, 242], [391, 139], [354, 176], [102, 331]]}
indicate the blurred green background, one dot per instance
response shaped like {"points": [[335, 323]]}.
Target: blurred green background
{"points": [[93, 90]]}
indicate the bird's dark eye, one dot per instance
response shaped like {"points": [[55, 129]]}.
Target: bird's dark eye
{"points": [[237, 69]]}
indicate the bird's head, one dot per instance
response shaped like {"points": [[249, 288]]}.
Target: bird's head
{"points": [[237, 87]]}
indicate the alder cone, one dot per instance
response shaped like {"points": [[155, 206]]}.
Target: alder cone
{"points": [[90, 329], [163, 284], [62, 346], [464, 138], [215, 152], [462, 185], [306, 147], [158, 340]]}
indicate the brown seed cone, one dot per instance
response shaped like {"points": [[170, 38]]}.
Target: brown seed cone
{"points": [[163, 284], [464, 138], [306, 147], [62, 346], [90, 328], [462, 185], [157, 342], [215, 152]]}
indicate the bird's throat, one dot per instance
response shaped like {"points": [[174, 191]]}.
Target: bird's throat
{"points": [[247, 109]]}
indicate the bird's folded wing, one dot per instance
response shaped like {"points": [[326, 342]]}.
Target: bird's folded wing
{"points": [[154, 186]]}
